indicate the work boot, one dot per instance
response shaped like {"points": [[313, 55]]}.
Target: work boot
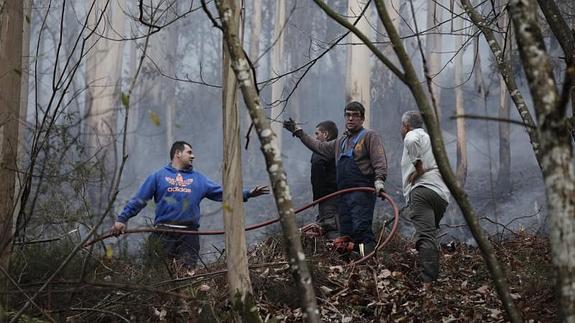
{"points": [[429, 259]]}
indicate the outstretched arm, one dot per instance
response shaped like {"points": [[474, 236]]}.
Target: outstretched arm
{"points": [[323, 148]]}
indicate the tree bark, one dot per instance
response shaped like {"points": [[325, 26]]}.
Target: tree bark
{"points": [[272, 154], [11, 34], [103, 77], [358, 68], [433, 48], [507, 74], [504, 174], [278, 68], [557, 152], [240, 286], [461, 172]]}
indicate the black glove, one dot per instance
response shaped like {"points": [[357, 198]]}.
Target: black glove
{"points": [[291, 126]]}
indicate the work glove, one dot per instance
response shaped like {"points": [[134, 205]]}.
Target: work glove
{"points": [[291, 126], [379, 186]]}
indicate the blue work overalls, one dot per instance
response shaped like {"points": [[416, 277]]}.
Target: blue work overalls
{"points": [[355, 208]]}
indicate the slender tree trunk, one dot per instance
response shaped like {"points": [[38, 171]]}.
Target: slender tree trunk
{"points": [[358, 67], [278, 178], [566, 39], [240, 285], [504, 174], [433, 48], [22, 131], [251, 153], [170, 68], [11, 34], [103, 76], [278, 68], [461, 172], [557, 152]]}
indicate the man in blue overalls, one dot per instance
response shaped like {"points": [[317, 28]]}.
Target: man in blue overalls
{"points": [[360, 161]]}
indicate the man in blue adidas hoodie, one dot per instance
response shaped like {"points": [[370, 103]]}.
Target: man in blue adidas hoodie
{"points": [[177, 190]]}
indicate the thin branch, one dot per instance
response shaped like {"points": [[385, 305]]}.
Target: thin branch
{"points": [[488, 118]]}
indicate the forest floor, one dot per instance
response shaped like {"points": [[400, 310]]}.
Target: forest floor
{"points": [[384, 289]]}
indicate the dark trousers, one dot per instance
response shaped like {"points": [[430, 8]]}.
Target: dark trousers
{"points": [[427, 209], [356, 216], [184, 248], [328, 216]]}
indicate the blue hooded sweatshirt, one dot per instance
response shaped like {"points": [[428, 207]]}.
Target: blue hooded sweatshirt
{"points": [[177, 194]]}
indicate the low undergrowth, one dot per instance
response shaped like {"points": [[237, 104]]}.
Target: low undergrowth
{"points": [[100, 287]]}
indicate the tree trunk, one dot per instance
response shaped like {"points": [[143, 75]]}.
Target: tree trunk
{"points": [[272, 154], [358, 66], [557, 152], [566, 39], [171, 68], [21, 153], [461, 172], [504, 174], [433, 49], [251, 153], [11, 34], [103, 77], [240, 286], [277, 69]]}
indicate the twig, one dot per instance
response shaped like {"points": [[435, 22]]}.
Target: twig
{"points": [[88, 309], [7, 275], [488, 118]]}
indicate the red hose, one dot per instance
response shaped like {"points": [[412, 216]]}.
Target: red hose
{"points": [[380, 244]]}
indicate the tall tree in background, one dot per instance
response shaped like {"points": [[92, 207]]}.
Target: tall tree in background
{"points": [[170, 68], [103, 78], [151, 96], [504, 174], [278, 68], [461, 172], [21, 153], [240, 285], [383, 81], [358, 76], [11, 34], [433, 48]]}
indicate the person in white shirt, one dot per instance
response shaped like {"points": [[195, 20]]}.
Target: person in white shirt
{"points": [[426, 194]]}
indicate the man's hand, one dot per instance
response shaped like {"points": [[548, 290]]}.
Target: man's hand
{"points": [[291, 126], [118, 228], [259, 190], [379, 186]]}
